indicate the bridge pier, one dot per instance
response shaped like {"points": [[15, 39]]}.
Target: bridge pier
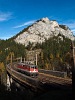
{"points": [[9, 82], [12, 85]]}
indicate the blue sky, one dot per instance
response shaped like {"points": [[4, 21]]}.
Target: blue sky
{"points": [[15, 15]]}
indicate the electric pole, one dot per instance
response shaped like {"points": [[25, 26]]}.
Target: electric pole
{"points": [[73, 68], [73, 54], [36, 59], [11, 54]]}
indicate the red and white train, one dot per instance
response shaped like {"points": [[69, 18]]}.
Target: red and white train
{"points": [[28, 69]]}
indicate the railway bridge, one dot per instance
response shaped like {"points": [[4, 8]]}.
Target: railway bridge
{"points": [[43, 82]]}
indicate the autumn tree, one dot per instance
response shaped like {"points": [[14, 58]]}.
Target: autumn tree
{"points": [[51, 61], [2, 73]]}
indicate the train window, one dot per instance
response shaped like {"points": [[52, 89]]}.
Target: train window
{"points": [[23, 65], [35, 67], [31, 66]]}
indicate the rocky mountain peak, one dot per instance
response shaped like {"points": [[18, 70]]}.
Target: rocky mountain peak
{"points": [[41, 30], [45, 20]]}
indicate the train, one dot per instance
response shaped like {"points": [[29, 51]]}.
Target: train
{"points": [[27, 69]]}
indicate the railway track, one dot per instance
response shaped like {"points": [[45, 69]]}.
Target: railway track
{"points": [[45, 78]]}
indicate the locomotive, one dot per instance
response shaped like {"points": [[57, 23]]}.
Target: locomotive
{"points": [[28, 69]]}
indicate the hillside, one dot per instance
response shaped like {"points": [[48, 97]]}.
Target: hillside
{"points": [[54, 41], [41, 30]]}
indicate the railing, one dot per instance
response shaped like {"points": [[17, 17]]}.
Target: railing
{"points": [[22, 78], [54, 73]]}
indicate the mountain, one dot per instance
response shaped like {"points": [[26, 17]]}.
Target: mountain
{"points": [[56, 52], [41, 30]]}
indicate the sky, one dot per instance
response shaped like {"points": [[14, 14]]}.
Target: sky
{"points": [[16, 15]]}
